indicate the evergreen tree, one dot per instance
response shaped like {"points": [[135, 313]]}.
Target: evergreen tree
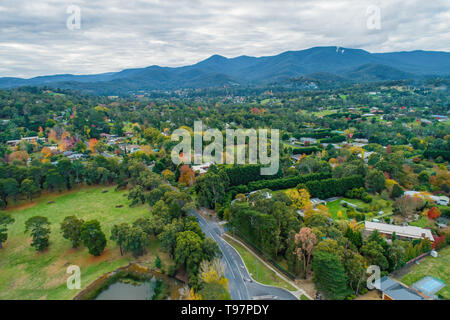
{"points": [[329, 275]]}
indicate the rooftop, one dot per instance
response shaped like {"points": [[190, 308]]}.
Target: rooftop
{"points": [[403, 231], [397, 290]]}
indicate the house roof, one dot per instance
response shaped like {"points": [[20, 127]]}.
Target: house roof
{"points": [[404, 231], [397, 290]]}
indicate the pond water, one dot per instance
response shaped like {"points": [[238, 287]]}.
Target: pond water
{"points": [[144, 290], [130, 291]]}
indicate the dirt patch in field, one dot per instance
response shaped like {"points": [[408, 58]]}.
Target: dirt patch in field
{"points": [[22, 206], [107, 255]]}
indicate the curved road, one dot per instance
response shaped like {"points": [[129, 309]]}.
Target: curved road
{"points": [[240, 284]]}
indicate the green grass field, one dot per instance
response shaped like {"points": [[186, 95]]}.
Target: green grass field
{"points": [[259, 271], [423, 222], [27, 274], [335, 206], [437, 267]]}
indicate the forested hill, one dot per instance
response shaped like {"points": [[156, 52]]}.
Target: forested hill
{"points": [[333, 64]]}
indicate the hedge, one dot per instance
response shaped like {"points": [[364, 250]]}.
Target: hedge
{"points": [[306, 150], [334, 139], [243, 174], [278, 184], [433, 153], [333, 187]]}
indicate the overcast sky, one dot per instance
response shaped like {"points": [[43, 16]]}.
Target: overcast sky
{"points": [[119, 34]]}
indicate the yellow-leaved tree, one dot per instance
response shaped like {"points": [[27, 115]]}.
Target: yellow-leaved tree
{"points": [[300, 197]]}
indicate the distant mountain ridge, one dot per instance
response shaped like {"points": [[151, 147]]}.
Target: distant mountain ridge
{"points": [[338, 64]]}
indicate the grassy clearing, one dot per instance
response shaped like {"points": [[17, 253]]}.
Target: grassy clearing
{"points": [[27, 274], [423, 222], [259, 271], [335, 206], [437, 267]]}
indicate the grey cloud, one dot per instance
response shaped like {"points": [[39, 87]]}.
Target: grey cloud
{"points": [[118, 34]]}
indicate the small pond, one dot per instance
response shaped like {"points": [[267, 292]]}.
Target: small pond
{"points": [[134, 282], [146, 290]]}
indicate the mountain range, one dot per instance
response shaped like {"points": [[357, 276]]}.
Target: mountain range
{"points": [[327, 63]]}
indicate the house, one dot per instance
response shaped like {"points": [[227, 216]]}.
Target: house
{"points": [[132, 148], [441, 200], [14, 143], [402, 232], [394, 290], [308, 140], [316, 201], [367, 154], [202, 168], [75, 156], [128, 134]]}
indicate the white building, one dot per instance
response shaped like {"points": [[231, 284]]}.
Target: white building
{"points": [[402, 232], [202, 168]]}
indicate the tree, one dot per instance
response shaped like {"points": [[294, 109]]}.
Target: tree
{"points": [[39, 228], [187, 176], [161, 209], [210, 249], [29, 188], [135, 241], [305, 240], [54, 181], [211, 188], [397, 191], [355, 270], [407, 205], [71, 230], [93, 237], [215, 285], [5, 219], [136, 195], [434, 213], [329, 275], [188, 251], [396, 255], [92, 144], [9, 189], [299, 197], [375, 180], [354, 236], [168, 237], [373, 252]]}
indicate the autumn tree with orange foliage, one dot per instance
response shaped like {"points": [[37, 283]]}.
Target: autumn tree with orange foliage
{"points": [[305, 240], [187, 176], [92, 143], [434, 213], [18, 156]]}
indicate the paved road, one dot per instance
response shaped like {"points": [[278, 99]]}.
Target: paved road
{"points": [[240, 284]]}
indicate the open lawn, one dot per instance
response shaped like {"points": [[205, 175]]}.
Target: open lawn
{"points": [[423, 222], [335, 206], [437, 267], [259, 271], [27, 274]]}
